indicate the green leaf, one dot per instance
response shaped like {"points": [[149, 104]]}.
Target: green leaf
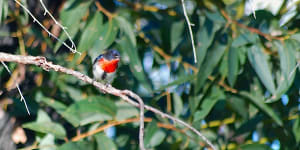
{"points": [[3, 10], [70, 18], [255, 147], [82, 145], [259, 102], [296, 130], [178, 105], [130, 52], [153, 135], [258, 61], [233, 65], [92, 109], [127, 28], [287, 65], [244, 38], [104, 143], [108, 33], [44, 124], [46, 141], [176, 34], [239, 105], [125, 111], [91, 32], [58, 106], [212, 59], [249, 125], [180, 80], [208, 103], [205, 37]]}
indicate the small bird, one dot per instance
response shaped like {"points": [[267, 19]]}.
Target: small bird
{"points": [[105, 66]]}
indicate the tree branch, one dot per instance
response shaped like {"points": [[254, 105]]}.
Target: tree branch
{"points": [[124, 94]]}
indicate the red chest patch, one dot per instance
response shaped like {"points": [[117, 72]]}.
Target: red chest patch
{"points": [[109, 66]]}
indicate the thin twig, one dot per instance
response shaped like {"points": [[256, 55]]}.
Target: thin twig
{"points": [[44, 64], [141, 103], [130, 120], [44, 28], [60, 25], [102, 9], [19, 90], [190, 30], [251, 29]]}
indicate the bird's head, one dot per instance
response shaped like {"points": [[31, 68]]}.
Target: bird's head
{"points": [[109, 60]]}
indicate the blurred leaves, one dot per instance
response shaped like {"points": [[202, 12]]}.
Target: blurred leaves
{"points": [[90, 110], [44, 124]]}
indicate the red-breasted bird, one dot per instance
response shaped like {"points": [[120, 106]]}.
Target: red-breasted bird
{"points": [[105, 66]]}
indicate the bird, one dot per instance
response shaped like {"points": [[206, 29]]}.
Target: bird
{"points": [[105, 66]]}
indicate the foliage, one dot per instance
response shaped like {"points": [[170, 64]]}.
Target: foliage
{"points": [[243, 92]]}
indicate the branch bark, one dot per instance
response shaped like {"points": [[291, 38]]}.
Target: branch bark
{"points": [[124, 94]]}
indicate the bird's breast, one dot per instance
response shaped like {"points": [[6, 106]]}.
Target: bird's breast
{"points": [[109, 66]]}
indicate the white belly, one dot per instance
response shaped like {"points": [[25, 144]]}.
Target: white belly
{"points": [[99, 73]]}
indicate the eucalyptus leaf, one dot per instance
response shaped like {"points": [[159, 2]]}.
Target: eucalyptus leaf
{"points": [[81, 145], [212, 59], [259, 62], [176, 34], [107, 36], [259, 102], [91, 32], [90, 110], [44, 124], [104, 143], [72, 8]]}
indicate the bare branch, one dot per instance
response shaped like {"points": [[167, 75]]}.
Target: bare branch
{"points": [[19, 90], [124, 94], [190, 30], [50, 34], [141, 106]]}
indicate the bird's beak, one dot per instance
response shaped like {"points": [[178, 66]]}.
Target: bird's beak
{"points": [[118, 57]]}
